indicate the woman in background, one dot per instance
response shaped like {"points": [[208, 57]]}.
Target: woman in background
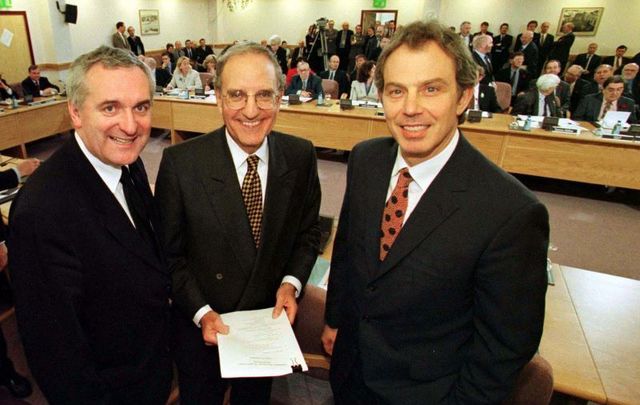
{"points": [[363, 88], [184, 76]]}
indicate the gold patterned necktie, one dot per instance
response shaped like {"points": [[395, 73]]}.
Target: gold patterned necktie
{"points": [[252, 196], [605, 110], [394, 211]]}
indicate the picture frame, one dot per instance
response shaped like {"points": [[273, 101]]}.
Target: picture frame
{"points": [[585, 20], [149, 22]]}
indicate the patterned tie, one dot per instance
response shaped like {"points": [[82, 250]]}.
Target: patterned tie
{"points": [[607, 107], [394, 210], [252, 196]]}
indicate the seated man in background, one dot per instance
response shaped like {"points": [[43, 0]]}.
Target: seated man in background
{"points": [[595, 106], [305, 83], [161, 76], [631, 82], [602, 73], [37, 85], [589, 61], [202, 51], [18, 385], [577, 85], [5, 90], [334, 73], [484, 96], [552, 66], [540, 101], [515, 75]]}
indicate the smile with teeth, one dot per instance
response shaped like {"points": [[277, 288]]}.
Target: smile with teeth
{"points": [[414, 127], [250, 123], [122, 141]]}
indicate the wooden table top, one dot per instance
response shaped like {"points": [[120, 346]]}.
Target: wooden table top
{"points": [[608, 308]]}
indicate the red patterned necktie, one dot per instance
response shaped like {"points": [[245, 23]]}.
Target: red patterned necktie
{"points": [[394, 211], [252, 196]]}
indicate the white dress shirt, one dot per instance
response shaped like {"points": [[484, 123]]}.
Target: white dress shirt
{"points": [[239, 158], [109, 174], [423, 174]]}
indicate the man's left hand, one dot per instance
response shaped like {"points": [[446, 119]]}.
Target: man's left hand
{"points": [[286, 299]]}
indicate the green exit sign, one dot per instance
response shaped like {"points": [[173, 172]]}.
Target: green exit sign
{"points": [[379, 3], [5, 4]]}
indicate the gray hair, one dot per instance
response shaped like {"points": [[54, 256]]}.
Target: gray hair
{"points": [[275, 40], [151, 62], [547, 82], [248, 48], [480, 40], [109, 58]]}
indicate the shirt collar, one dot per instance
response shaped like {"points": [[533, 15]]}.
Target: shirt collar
{"points": [[423, 173], [108, 173], [239, 156]]}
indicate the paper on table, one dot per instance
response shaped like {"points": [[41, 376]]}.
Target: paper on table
{"points": [[258, 345]]}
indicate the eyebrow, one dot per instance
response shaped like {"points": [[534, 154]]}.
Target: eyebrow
{"points": [[437, 80]]}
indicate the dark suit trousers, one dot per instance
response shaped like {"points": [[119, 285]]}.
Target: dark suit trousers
{"points": [[354, 391], [199, 372]]}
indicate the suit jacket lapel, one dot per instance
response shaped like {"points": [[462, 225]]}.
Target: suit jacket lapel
{"points": [[280, 184], [109, 210], [219, 180], [436, 205]]}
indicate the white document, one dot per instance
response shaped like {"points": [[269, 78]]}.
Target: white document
{"points": [[258, 345], [612, 117], [6, 38]]}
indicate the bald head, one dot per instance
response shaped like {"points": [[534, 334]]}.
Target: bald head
{"points": [[573, 73], [527, 36]]}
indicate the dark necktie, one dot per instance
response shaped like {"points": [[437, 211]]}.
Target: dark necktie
{"points": [[252, 196], [332, 74], [588, 62], [546, 112], [487, 60], [137, 208], [394, 211], [514, 82]]}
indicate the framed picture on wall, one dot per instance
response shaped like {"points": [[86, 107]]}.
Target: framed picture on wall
{"points": [[585, 19], [149, 22]]}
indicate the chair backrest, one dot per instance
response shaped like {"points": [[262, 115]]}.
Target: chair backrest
{"points": [[534, 385], [17, 89], [308, 329], [503, 94], [205, 78], [330, 87]]}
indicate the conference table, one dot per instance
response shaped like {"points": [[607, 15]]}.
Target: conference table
{"points": [[584, 158], [25, 124]]}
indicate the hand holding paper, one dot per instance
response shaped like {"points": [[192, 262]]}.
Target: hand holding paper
{"points": [[212, 324]]}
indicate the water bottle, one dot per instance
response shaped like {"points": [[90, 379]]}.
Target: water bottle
{"points": [[527, 124], [14, 102], [616, 128], [320, 98]]}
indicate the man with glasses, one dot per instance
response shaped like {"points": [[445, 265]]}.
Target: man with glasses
{"points": [[240, 212], [595, 106], [305, 83]]}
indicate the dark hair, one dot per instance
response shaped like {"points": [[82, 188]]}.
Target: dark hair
{"points": [[416, 35], [504, 24], [533, 22], [364, 70], [119, 24], [484, 23], [32, 68], [549, 61], [514, 54], [168, 45], [612, 79], [622, 47]]}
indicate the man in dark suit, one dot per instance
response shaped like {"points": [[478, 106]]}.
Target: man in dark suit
{"points": [[240, 212], [530, 51], [602, 73], [531, 26], [589, 61], [135, 43], [17, 384], [576, 86], [281, 54], [92, 288], [515, 75], [5, 90], [334, 73], [482, 56], [595, 106], [438, 295], [373, 49], [545, 42], [305, 83], [618, 60], [202, 51], [343, 45], [501, 46], [190, 51], [37, 85], [484, 96], [562, 47], [161, 76], [562, 91], [631, 81], [540, 100]]}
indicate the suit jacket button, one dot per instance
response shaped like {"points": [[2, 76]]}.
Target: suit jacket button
{"points": [[219, 276], [371, 288]]}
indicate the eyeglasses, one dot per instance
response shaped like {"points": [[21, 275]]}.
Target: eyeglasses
{"points": [[237, 99]]}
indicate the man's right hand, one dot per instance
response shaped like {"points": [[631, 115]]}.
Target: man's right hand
{"points": [[329, 338], [211, 324]]}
